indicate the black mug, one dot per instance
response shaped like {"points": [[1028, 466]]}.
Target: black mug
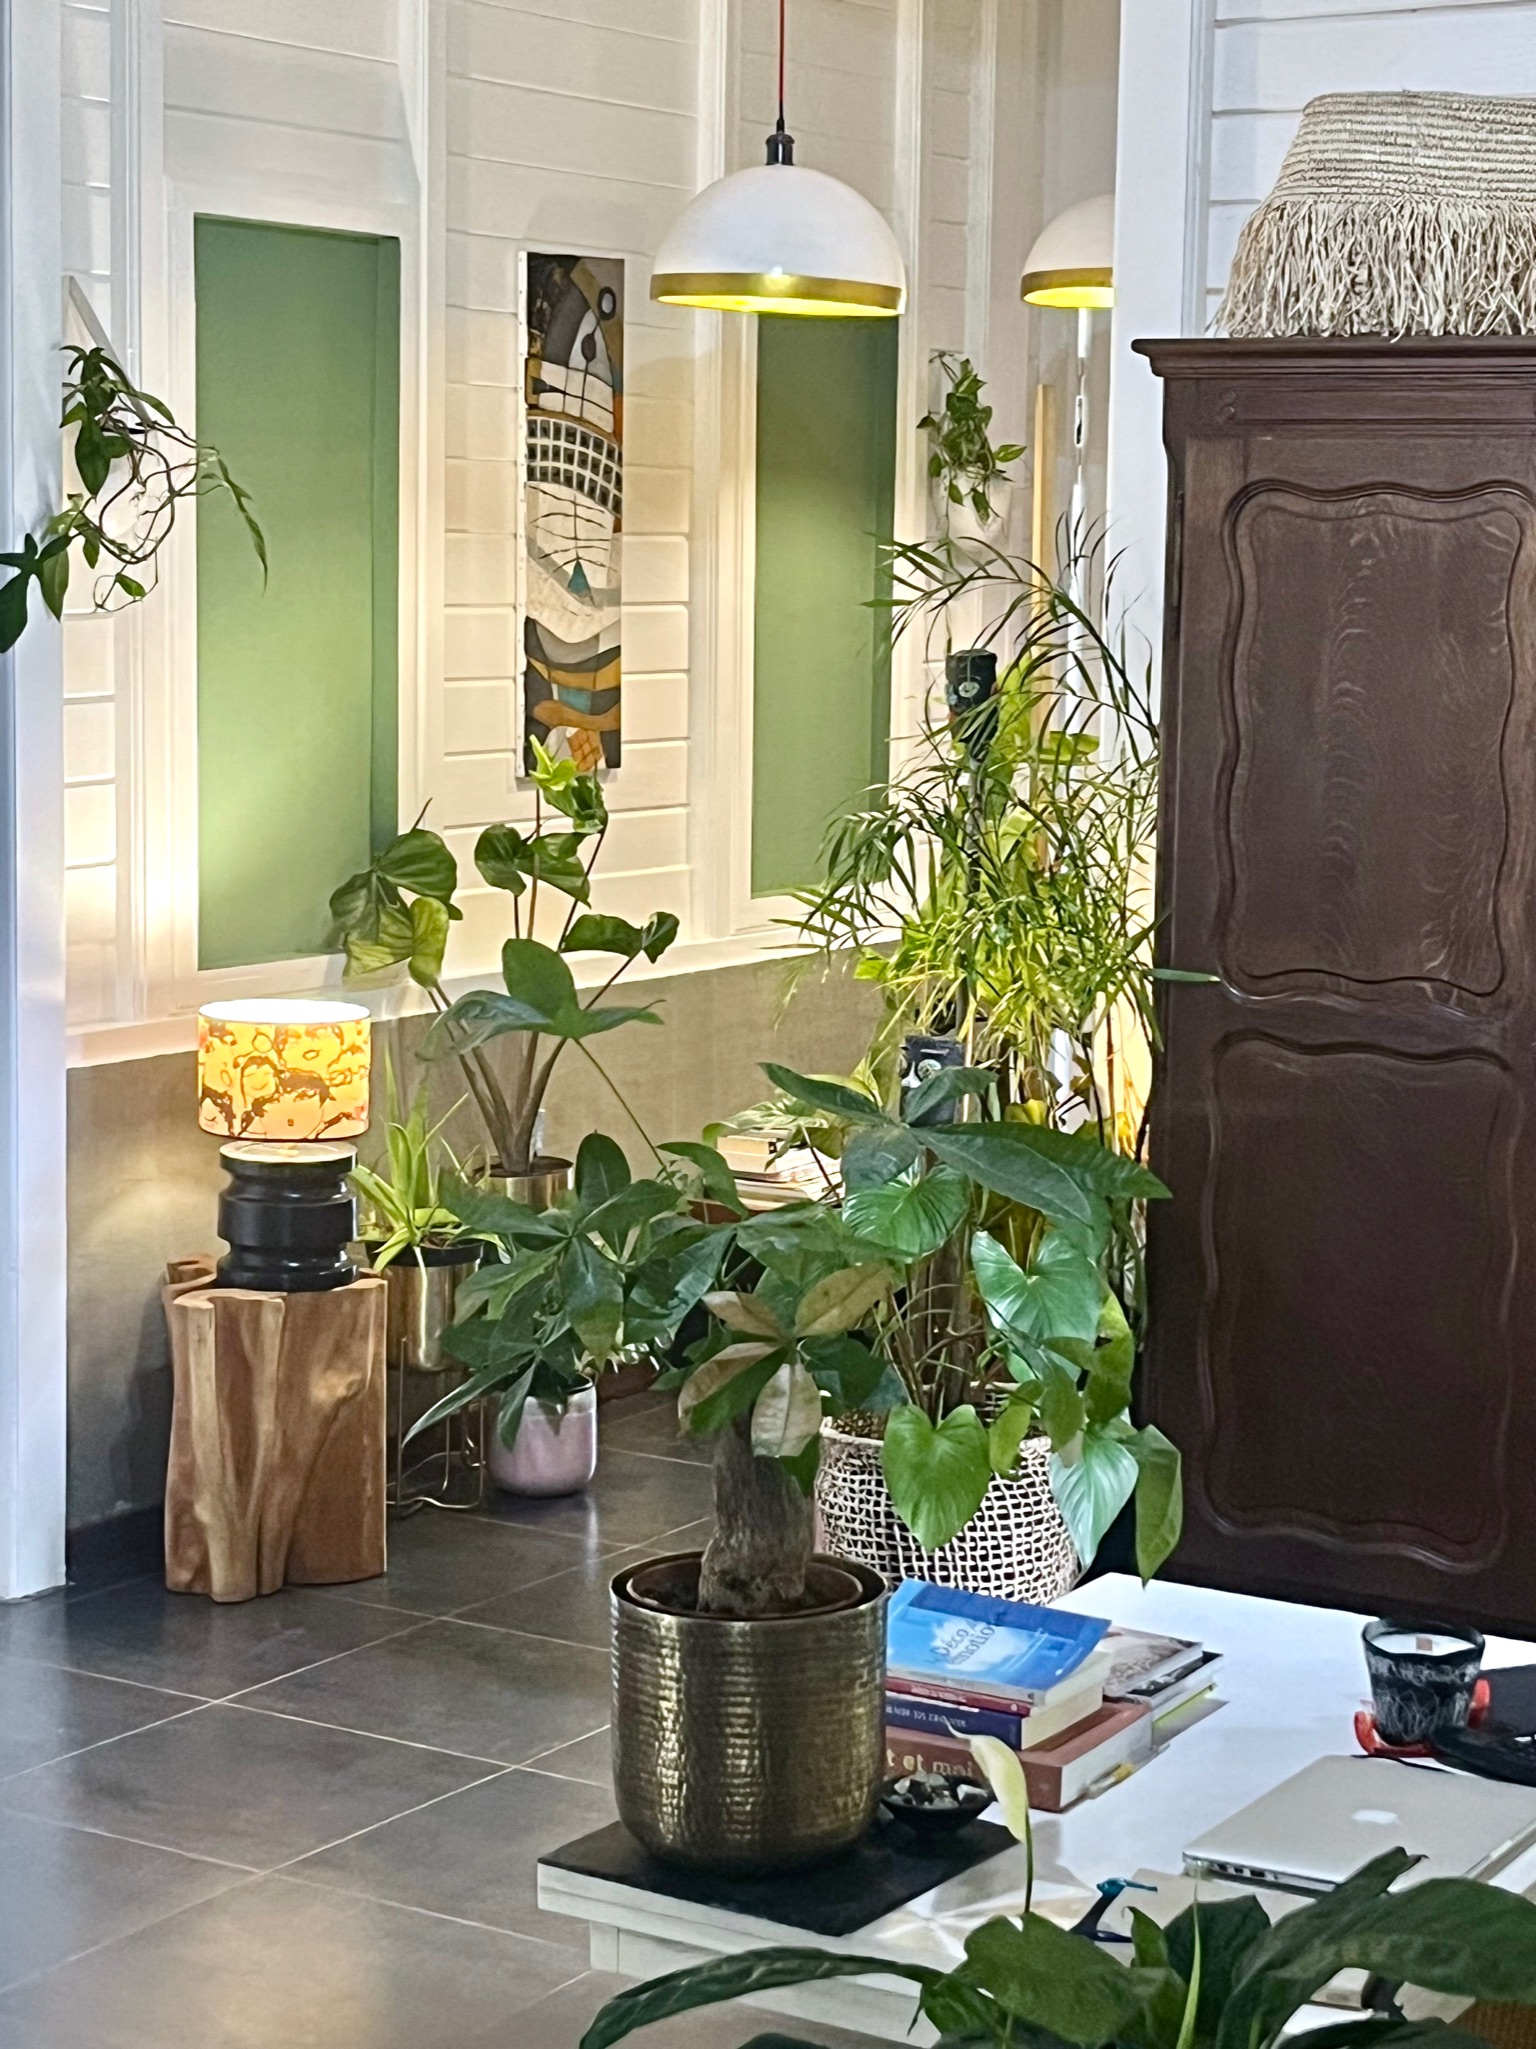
{"points": [[1422, 1677]]}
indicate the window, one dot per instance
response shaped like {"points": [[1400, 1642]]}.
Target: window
{"points": [[298, 386], [826, 460]]}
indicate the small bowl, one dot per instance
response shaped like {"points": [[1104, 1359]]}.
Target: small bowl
{"points": [[928, 1821]]}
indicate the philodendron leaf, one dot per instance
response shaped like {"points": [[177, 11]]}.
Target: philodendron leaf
{"points": [[909, 1218], [661, 928], [476, 1018], [937, 1474], [1059, 1295], [1052, 1979], [1006, 1434], [535, 975], [787, 1414], [725, 1385], [836, 1096], [1094, 1166], [842, 1299], [875, 1155], [555, 858], [1005, 1159], [1059, 1403], [944, 1086], [429, 939], [419, 861], [500, 856], [1159, 1497], [745, 1312], [1109, 1363], [1092, 1483], [593, 934]]}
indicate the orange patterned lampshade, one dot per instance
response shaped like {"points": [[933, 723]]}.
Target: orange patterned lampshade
{"points": [[282, 1069]]}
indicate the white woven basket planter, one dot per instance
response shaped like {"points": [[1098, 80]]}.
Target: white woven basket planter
{"points": [[1015, 1547]]}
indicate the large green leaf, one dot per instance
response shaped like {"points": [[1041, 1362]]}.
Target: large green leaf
{"points": [[1301, 1953], [1006, 1434], [875, 1155], [630, 1210], [1091, 1488], [735, 1977], [715, 1176], [1159, 1497], [668, 1285], [1109, 1363], [555, 858], [1094, 1166], [1449, 1935], [430, 921], [1228, 1931], [601, 1168], [592, 1287], [835, 1096], [1059, 1402], [936, 1474], [501, 855], [383, 937], [1052, 1979], [586, 1024], [592, 933], [1059, 1296], [419, 861], [944, 1086], [1005, 1159], [853, 1375], [536, 976], [911, 1219], [474, 1020]]}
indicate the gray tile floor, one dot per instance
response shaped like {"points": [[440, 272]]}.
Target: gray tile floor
{"points": [[311, 1822]]}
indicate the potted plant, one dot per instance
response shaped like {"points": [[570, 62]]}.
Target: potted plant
{"points": [[397, 913], [605, 1273], [903, 1303], [1218, 1977], [969, 474], [424, 1253]]}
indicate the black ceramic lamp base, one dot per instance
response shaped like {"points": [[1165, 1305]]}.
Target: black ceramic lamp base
{"points": [[287, 1216]]}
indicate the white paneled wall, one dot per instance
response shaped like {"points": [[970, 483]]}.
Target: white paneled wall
{"points": [[486, 128], [1272, 56]]}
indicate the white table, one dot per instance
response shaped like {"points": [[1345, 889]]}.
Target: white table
{"points": [[1291, 1683]]}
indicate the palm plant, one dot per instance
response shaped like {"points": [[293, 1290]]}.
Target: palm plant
{"points": [[996, 888]]}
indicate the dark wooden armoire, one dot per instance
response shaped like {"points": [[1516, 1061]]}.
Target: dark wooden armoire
{"points": [[1343, 1287]]}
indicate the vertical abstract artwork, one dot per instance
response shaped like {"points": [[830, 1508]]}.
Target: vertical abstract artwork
{"points": [[573, 396]]}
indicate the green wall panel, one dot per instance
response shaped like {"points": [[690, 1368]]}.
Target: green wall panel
{"points": [[298, 386], [826, 459]]}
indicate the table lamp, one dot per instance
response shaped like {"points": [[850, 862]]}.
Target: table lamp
{"points": [[285, 1082]]}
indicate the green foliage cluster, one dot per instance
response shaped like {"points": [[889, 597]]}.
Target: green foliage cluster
{"points": [[136, 466], [1218, 1977], [965, 1265], [397, 913], [961, 458]]}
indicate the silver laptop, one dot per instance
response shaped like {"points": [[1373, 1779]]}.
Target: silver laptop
{"points": [[1315, 1829]]}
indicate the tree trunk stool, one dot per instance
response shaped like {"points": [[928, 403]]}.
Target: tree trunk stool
{"points": [[277, 1467]]}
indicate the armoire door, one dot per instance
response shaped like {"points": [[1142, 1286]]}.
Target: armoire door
{"points": [[1343, 1287]]}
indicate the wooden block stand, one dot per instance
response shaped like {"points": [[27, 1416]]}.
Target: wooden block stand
{"points": [[276, 1473]]}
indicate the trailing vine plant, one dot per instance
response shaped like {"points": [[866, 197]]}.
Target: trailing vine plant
{"points": [[136, 466]]}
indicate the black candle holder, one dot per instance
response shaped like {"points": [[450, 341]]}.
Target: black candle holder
{"points": [[1422, 1678], [288, 1217]]}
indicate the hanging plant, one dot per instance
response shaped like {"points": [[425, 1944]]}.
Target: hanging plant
{"points": [[137, 466], [962, 459]]}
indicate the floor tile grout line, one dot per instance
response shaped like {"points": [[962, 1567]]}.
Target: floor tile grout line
{"points": [[279, 1678], [248, 1878], [112, 1835], [428, 1914], [532, 1763], [489, 1779], [272, 1714], [86, 1672], [122, 1736]]}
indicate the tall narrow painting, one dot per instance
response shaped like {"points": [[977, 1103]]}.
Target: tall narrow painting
{"points": [[573, 395]]}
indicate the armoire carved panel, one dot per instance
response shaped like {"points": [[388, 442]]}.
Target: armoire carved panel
{"points": [[1343, 1288]]}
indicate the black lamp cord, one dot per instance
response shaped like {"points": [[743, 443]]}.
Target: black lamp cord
{"points": [[781, 144]]}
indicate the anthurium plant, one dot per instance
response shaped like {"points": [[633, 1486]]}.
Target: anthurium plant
{"points": [[959, 1290], [397, 913], [607, 1273], [1220, 1976]]}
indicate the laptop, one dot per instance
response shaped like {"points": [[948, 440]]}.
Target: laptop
{"points": [[1318, 1827]]}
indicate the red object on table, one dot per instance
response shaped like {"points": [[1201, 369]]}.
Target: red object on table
{"points": [[1373, 1746]]}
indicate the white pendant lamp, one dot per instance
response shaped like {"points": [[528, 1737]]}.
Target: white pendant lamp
{"points": [[1072, 261], [781, 239]]}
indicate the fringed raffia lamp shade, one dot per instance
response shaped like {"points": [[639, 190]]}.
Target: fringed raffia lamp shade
{"points": [[1395, 213]]}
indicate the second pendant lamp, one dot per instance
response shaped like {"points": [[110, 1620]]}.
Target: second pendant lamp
{"points": [[781, 238]]}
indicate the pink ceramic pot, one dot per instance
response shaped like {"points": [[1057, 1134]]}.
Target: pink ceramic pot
{"points": [[554, 1452]]}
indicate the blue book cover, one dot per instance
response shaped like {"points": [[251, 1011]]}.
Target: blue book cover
{"points": [[972, 1640], [934, 1718]]}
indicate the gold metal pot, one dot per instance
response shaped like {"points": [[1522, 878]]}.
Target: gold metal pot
{"points": [[538, 1188], [443, 1466], [747, 1746]]}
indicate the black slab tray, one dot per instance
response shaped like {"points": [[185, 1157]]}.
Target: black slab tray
{"points": [[876, 1876]]}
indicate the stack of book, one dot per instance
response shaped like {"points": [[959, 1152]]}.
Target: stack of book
{"points": [[1077, 1701], [769, 1174]]}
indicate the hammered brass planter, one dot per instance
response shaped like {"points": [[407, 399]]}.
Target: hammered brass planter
{"points": [[749, 1747]]}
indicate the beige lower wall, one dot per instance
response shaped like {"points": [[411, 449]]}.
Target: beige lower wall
{"points": [[144, 1182]]}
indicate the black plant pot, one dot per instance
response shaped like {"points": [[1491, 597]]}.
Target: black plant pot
{"points": [[288, 1217]]}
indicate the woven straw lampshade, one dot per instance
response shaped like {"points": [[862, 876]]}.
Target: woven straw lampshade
{"points": [[1395, 213]]}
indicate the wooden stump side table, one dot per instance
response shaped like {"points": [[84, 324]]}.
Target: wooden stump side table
{"points": [[276, 1472]]}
